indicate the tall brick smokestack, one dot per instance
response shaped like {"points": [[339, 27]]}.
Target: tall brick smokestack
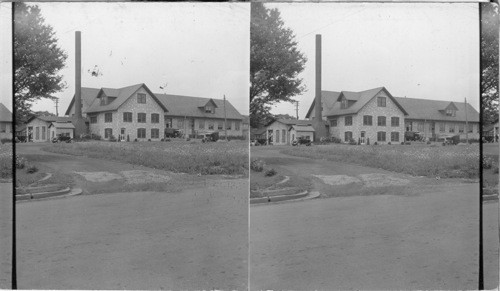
{"points": [[318, 124], [317, 109], [78, 74], [79, 123]]}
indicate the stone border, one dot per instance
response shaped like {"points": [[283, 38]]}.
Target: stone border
{"points": [[305, 195], [44, 195]]}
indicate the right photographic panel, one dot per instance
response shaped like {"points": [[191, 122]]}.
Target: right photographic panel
{"points": [[374, 146]]}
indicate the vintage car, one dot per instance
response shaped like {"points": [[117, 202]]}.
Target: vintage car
{"points": [[209, 137], [62, 138], [302, 140], [171, 132]]}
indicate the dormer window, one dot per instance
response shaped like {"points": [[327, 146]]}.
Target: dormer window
{"points": [[209, 109], [450, 112], [103, 101], [343, 103]]}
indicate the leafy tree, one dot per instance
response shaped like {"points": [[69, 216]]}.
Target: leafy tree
{"points": [[275, 63], [489, 62], [37, 59], [284, 116]]}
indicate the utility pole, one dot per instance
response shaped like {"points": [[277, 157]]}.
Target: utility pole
{"points": [[466, 123], [56, 100], [225, 119], [297, 109]]}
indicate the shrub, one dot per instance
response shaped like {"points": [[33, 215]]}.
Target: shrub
{"points": [[389, 143], [167, 139], [402, 143], [20, 162], [352, 142], [488, 162], [428, 142], [270, 173], [31, 169], [257, 165], [5, 140], [335, 139], [112, 138], [368, 141], [375, 143], [149, 139]]}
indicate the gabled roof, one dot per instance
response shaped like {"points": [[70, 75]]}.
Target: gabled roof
{"points": [[451, 106], [303, 128], [430, 110], [88, 95], [291, 121], [329, 98], [62, 119], [179, 105], [5, 114], [362, 98], [62, 125], [122, 95]]}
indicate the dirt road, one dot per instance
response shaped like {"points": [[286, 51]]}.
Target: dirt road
{"points": [[189, 240], [381, 242], [196, 238], [5, 235], [424, 235]]}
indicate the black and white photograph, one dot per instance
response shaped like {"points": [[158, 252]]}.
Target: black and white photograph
{"points": [[131, 148], [365, 147], [249, 145]]}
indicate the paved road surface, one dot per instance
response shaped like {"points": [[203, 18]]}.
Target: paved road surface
{"points": [[423, 236], [193, 239], [5, 235], [189, 240], [383, 242]]}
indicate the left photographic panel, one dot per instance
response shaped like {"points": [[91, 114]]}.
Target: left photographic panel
{"points": [[6, 149], [133, 127]]}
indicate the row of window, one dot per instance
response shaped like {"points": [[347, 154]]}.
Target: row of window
{"points": [[367, 120], [141, 133], [381, 136], [442, 127], [201, 124], [127, 117]]}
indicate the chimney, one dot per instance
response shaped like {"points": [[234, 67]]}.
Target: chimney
{"points": [[79, 123], [318, 115], [78, 74], [320, 129]]}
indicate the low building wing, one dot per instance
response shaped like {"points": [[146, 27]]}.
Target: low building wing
{"points": [[179, 105], [424, 109]]}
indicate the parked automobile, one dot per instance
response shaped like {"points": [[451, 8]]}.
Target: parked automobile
{"points": [[302, 140], [210, 137], [171, 132], [62, 138]]}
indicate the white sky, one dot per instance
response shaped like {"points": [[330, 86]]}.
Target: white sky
{"points": [[6, 55], [198, 49], [417, 50]]}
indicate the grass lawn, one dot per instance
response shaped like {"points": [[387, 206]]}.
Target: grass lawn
{"points": [[6, 161], [417, 159], [490, 168], [259, 181], [193, 157], [24, 178]]}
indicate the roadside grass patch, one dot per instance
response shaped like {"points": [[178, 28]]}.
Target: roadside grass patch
{"points": [[415, 160], [490, 174], [5, 161], [229, 158]]}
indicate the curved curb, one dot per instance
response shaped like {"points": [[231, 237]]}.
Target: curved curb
{"points": [[285, 198], [48, 195], [490, 197]]}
